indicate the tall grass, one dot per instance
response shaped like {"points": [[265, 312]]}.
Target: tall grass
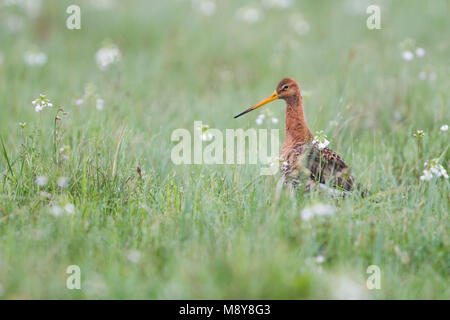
{"points": [[210, 231]]}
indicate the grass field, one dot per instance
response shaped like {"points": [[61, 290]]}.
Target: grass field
{"points": [[70, 192]]}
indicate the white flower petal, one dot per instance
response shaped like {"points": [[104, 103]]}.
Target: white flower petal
{"points": [[407, 55], [70, 208], [420, 52], [41, 180]]}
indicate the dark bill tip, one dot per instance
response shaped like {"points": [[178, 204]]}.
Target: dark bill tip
{"points": [[243, 112]]}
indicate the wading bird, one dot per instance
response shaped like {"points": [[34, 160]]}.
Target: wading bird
{"points": [[303, 159]]}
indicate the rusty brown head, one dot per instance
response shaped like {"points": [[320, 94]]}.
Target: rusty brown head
{"points": [[286, 88]]}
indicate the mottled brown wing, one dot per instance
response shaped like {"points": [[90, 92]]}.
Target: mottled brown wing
{"points": [[321, 165]]}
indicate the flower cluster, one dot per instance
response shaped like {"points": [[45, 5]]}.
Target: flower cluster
{"points": [[205, 134], [63, 152], [431, 76], [419, 134], [41, 181], [68, 209], [321, 140], [61, 181], [108, 55], [261, 117], [410, 51], [299, 24], [90, 95], [433, 168], [444, 127], [41, 103]]}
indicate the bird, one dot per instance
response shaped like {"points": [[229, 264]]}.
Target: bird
{"points": [[304, 160]]}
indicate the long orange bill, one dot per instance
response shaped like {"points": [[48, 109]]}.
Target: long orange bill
{"points": [[274, 96]]}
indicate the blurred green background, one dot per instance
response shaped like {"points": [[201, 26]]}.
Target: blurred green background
{"points": [[218, 231]]}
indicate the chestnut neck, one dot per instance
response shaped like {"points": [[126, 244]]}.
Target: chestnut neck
{"points": [[297, 130]]}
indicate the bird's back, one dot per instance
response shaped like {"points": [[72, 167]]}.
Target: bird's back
{"points": [[320, 166]]}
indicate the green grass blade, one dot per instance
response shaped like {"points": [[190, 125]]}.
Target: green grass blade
{"points": [[5, 154]]}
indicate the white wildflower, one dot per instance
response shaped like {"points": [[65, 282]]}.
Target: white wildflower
{"points": [[248, 14], [307, 214], [317, 210], [320, 259], [41, 103], [321, 140], [134, 256], [206, 136], [44, 194], [64, 149], [433, 168], [69, 208], [427, 176], [324, 210], [41, 181], [444, 127], [407, 55], [63, 182], [274, 120], [419, 133], [259, 121], [107, 56], [420, 52], [99, 104], [422, 75], [206, 7], [346, 288], [323, 144], [35, 58], [300, 26], [90, 97], [56, 211]]}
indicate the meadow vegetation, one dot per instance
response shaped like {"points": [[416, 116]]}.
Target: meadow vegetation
{"points": [[89, 181]]}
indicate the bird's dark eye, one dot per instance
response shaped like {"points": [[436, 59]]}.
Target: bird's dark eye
{"points": [[285, 87]]}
